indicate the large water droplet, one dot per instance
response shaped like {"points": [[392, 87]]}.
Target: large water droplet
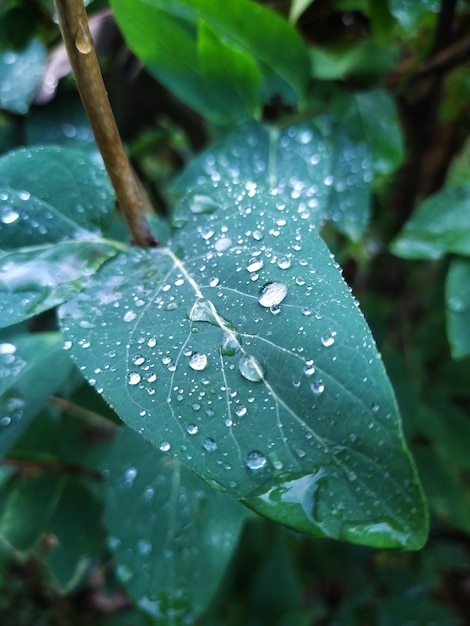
{"points": [[255, 460], [133, 378], [251, 369], [328, 340], [272, 294], [254, 265], [209, 445], [8, 215], [83, 39], [317, 387], [164, 446], [198, 361], [192, 429]]}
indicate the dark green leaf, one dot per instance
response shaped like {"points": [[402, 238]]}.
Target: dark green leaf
{"points": [[20, 76], [458, 306], [173, 550], [31, 368], [245, 355], [36, 279], [52, 504], [164, 36], [232, 77], [439, 225], [51, 191]]}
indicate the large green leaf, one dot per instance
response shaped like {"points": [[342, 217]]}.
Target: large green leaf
{"points": [[53, 204], [164, 35], [20, 76], [439, 225], [24, 361], [458, 307], [173, 549], [324, 165], [240, 350]]}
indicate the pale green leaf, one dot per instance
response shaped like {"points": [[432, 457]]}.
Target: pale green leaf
{"points": [[21, 72]]}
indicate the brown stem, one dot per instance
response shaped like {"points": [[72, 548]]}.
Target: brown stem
{"points": [[51, 466], [78, 41]]}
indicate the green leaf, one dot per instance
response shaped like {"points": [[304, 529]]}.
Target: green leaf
{"points": [[21, 73], [241, 351], [232, 77], [172, 552], [458, 307], [56, 197], [164, 36], [35, 279], [297, 7], [410, 14], [365, 58], [381, 128], [54, 191], [36, 506], [438, 226], [24, 361]]}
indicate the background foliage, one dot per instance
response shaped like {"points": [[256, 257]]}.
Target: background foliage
{"points": [[369, 110]]}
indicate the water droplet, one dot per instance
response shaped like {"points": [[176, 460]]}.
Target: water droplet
{"points": [[255, 460], [144, 547], [164, 446], [133, 378], [209, 445], [130, 316], [251, 369], [206, 232], [223, 244], [317, 387], [306, 311], [83, 39], [198, 361], [272, 294], [309, 368], [275, 309], [192, 429], [328, 340], [130, 474], [231, 344], [375, 407], [241, 410], [8, 215], [284, 263], [254, 265]]}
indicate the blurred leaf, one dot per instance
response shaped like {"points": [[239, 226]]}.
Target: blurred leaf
{"points": [[172, 552], [231, 76], [56, 197], [410, 14], [297, 7], [458, 306], [197, 333], [363, 59], [381, 128], [20, 76], [165, 38], [439, 225], [56, 511], [32, 367], [77, 192], [35, 279], [415, 609], [381, 20], [446, 490]]}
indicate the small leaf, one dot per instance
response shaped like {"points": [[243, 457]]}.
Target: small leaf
{"points": [[33, 280], [22, 360], [164, 36], [20, 76], [438, 226], [458, 307], [172, 552], [67, 190], [282, 403], [62, 508], [232, 77]]}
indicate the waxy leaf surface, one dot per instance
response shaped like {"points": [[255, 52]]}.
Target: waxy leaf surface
{"points": [[458, 307], [54, 202], [21, 72], [172, 552], [240, 350]]}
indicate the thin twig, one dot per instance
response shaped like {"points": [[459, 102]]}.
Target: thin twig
{"points": [[51, 466], [78, 41], [106, 426]]}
